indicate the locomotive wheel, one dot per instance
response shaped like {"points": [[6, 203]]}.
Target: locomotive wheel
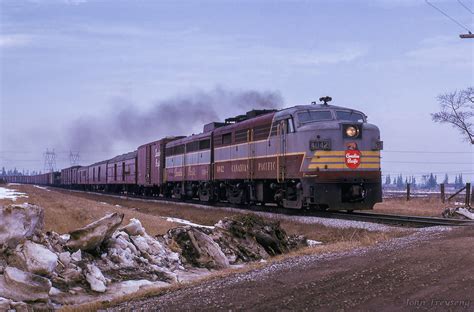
{"points": [[235, 195], [205, 193]]}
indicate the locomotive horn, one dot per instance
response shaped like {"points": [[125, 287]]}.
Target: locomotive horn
{"points": [[325, 99]]}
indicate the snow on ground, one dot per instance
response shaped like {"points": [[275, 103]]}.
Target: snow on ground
{"points": [[42, 188], [10, 194], [186, 222], [312, 243]]}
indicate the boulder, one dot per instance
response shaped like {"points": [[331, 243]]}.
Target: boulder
{"points": [[134, 228], [249, 237], [19, 222], [5, 304], [93, 235], [95, 278], [198, 248], [19, 285], [33, 258]]}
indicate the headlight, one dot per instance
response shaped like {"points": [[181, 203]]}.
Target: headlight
{"points": [[352, 131]]}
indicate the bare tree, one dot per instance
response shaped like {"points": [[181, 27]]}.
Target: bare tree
{"points": [[457, 109]]}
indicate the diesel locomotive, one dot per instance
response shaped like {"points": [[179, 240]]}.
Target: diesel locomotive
{"points": [[307, 156]]}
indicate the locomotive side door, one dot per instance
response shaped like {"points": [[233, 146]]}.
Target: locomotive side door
{"points": [[282, 133], [250, 155]]}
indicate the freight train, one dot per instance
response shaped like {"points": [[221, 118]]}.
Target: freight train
{"points": [[308, 156]]}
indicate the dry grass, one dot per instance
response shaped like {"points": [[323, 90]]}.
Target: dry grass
{"points": [[64, 213], [429, 206]]}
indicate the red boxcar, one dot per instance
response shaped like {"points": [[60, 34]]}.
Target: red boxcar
{"points": [[151, 164]]}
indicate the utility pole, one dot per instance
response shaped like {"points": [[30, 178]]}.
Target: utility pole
{"points": [[466, 36], [49, 160], [74, 158]]}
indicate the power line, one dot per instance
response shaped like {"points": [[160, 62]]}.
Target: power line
{"points": [[466, 7], [425, 152], [425, 162], [445, 14]]}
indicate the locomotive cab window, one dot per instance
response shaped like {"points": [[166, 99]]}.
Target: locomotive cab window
{"points": [[314, 116], [350, 116]]}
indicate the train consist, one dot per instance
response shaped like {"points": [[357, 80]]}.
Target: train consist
{"points": [[309, 156]]}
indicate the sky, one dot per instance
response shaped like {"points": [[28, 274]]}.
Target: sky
{"points": [[66, 62]]}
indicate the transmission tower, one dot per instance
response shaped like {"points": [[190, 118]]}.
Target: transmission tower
{"points": [[74, 158], [49, 160]]}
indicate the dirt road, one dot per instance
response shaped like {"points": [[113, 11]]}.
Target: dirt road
{"points": [[433, 270]]}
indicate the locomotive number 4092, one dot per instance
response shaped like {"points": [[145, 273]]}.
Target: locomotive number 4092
{"points": [[323, 145]]}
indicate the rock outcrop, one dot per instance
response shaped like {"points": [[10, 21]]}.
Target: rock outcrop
{"points": [[103, 258]]}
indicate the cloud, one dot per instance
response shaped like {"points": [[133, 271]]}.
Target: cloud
{"points": [[14, 40], [318, 58]]}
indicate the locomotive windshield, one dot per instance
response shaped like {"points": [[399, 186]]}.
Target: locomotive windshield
{"points": [[314, 115], [350, 116]]}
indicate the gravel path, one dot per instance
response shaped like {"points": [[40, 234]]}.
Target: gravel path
{"points": [[429, 270]]}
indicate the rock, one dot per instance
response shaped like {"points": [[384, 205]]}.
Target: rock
{"points": [[91, 236], [65, 258], [19, 222], [22, 307], [134, 228], [95, 278], [5, 304], [76, 256], [140, 256], [24, 286], [34, 258], [198, 248]]}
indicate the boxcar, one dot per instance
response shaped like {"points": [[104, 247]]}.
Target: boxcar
{"points": [[151, 165]]}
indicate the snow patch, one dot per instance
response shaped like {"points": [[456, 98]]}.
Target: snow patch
{"points": [[10, 194], [312, 243], [465, 212], [42, 188], [186, 222]]}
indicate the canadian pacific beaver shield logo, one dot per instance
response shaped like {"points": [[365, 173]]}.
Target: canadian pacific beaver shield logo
{"points": [[352, 157]]}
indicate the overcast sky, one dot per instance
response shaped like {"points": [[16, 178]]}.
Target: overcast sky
{"points": [[66, 60]]}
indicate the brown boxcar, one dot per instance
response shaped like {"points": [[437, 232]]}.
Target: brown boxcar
{"points": [[151, 164]]}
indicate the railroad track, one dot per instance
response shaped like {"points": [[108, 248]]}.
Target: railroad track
{"points": [[398, 220]]}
